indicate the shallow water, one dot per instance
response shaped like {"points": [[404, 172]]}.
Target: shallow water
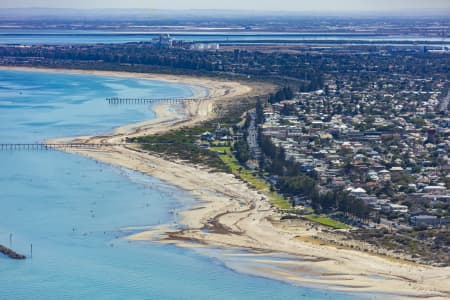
{"points": [[72, 209]]}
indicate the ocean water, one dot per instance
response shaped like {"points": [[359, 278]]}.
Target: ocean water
{"points": [[73, 210], [36, 105]]}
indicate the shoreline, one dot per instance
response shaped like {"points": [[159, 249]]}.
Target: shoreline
{"points": [[189, 80], [232, 215]]}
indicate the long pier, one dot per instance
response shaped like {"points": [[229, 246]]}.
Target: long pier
{"points": [[49, 146], [150, 100]]}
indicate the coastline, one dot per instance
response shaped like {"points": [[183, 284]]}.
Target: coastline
{"points": [[184, 79], [237, 216]]}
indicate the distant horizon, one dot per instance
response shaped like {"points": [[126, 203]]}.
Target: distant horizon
{"points": [[413, 12], [317, 7]]}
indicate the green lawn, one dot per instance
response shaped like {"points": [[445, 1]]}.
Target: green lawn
{"points": [[279, 201], [324, 220], [250, 177], [220, 149]]}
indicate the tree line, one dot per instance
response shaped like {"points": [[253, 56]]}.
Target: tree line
{"points": [[309, 68], [294, 182]]}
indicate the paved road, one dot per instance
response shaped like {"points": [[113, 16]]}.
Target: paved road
{"points": [[443, 106], [252, 138]]}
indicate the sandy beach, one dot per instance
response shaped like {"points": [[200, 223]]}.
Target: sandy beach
{"points": [[235, 215]]}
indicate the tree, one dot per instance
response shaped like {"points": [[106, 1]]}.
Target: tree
{"points": [[242, 151], [259, 112]]}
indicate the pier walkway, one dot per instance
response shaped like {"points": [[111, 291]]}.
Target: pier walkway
{"points": [[150, 100], [47, 146]]}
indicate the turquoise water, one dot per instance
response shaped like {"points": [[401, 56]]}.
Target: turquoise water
{"points": [[43, 105], [73, 210]]}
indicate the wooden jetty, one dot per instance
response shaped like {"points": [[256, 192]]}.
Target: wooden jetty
{"points": [[10, 253], [49, 146], [150, 100]]}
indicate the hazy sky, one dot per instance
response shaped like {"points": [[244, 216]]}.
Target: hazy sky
{"points": [[279, 5]]}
